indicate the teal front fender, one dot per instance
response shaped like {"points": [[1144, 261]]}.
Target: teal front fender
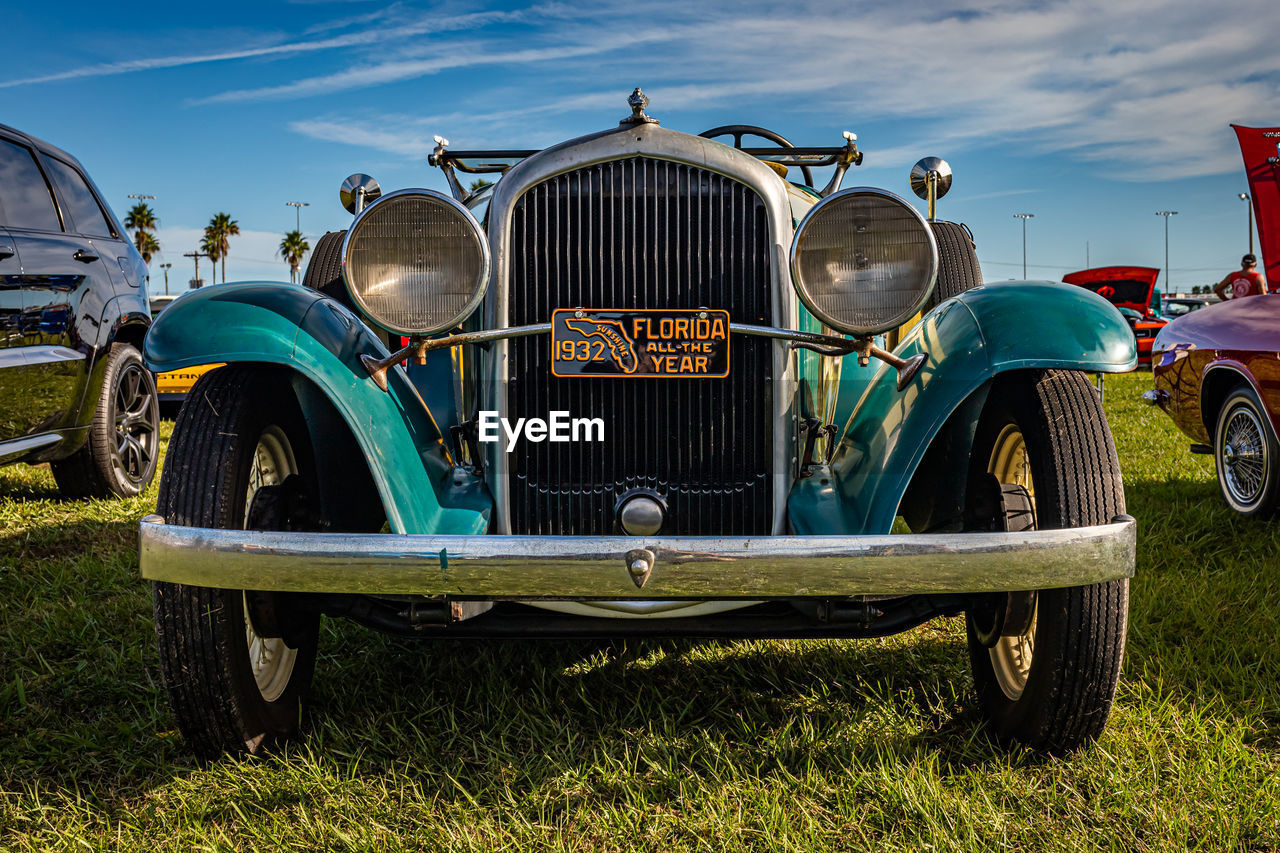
{"points": [[288, 325], [968, 340]]}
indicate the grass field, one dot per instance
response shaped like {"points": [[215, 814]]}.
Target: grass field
{"points": [[665, 745]]}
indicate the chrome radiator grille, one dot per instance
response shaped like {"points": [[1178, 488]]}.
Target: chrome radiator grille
{"points": [[643, 233]]}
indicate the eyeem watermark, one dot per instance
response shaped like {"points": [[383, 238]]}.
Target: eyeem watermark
{"points": [[558, 427]]}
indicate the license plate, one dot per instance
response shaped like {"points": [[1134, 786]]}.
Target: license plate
{"points": [[678, 344]]}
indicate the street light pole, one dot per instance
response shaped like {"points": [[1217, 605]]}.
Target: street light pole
{"points": [[166, 267], [297, 207], [1166, 214], [1244, 197], [1024, 217]]}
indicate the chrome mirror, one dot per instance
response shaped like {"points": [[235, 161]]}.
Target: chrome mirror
{"points": [[930, 179], [357, 191]]}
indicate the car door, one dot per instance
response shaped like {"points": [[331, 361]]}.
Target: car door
{"points": [[63, 282], [11, 358]]}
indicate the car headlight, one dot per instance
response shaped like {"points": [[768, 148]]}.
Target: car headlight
{"points": [[864, 261], [415, 262]]}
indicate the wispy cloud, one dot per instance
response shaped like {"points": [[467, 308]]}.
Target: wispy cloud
{"points": [[421, 25], [1116, 85], [391, 72]]}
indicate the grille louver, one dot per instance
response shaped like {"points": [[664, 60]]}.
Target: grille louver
{"points": [[643, 233]]}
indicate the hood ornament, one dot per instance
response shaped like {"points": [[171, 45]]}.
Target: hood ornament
{"points": [[638, 102]]}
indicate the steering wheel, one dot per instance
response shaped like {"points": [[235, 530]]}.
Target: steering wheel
{"points": [[737, 131]]}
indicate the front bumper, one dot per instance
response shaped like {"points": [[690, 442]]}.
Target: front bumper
{"points": [[626, 567]]}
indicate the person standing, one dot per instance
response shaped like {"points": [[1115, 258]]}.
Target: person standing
{"points": [[1246, 281]]}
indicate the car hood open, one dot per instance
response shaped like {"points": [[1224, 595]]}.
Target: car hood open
{"points": [[1124, 287]]}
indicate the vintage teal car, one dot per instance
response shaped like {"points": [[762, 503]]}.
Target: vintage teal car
{"points": [[650, 388]]}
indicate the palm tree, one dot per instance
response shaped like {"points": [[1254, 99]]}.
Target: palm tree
{"points": [[212, 248], [292, 248], [221, 229], [147, 245], [142, 219]]}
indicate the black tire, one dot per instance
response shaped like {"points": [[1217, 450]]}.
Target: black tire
{"points": [[119, 457], [204, 652], [324, 270], [1247, 455], [1078, 632], [958, 268]]}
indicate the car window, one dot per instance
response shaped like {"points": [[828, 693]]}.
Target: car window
{"points": [[86, 215], [25, 201]]}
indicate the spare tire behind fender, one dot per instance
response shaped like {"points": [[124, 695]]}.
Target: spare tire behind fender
{"points": [[958, 268], [324, 270], [324, 273]]}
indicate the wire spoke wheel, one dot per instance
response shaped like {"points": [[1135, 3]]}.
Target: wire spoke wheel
{"points": [[1245, 452], [1011, 656]]}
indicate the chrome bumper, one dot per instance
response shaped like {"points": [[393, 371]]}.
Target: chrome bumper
{"points": [[624, 567]]}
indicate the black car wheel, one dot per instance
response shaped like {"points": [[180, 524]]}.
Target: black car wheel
{"points": [[1247, 455], [236, 664], [1046, 663], [958, 268], [324, 270], [119, 457]]}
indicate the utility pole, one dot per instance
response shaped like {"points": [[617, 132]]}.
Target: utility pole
{"points": [[166, 267], [1024, 217], [196, 256], [1166, 214], [297, 207], [1244, 197]]}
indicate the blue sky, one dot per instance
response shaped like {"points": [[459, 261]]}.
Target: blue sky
{"points": [[1091, 115]]}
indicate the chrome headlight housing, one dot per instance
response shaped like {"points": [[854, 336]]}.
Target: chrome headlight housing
{"points": [[415, 262], [864, 260]]}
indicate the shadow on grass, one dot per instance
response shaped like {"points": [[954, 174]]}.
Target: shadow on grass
{"points": [[499, 715], [1205, 602], [496, 715], [57, 541], [81, 707], [27, 484]]}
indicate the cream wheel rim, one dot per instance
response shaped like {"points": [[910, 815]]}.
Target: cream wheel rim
{"points": [[272, 660], [1011, 656]]}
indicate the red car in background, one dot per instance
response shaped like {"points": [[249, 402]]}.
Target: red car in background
{"points": [[1217, 370], [1217, 374], [1130, 289]]}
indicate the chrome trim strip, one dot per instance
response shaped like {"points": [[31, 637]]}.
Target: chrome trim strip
{"points": [[573, 567], [16, 447], [48, 354], [643, 140], [375, 366]]}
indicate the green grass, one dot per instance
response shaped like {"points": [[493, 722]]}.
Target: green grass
{"points": [[662, 745]]}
